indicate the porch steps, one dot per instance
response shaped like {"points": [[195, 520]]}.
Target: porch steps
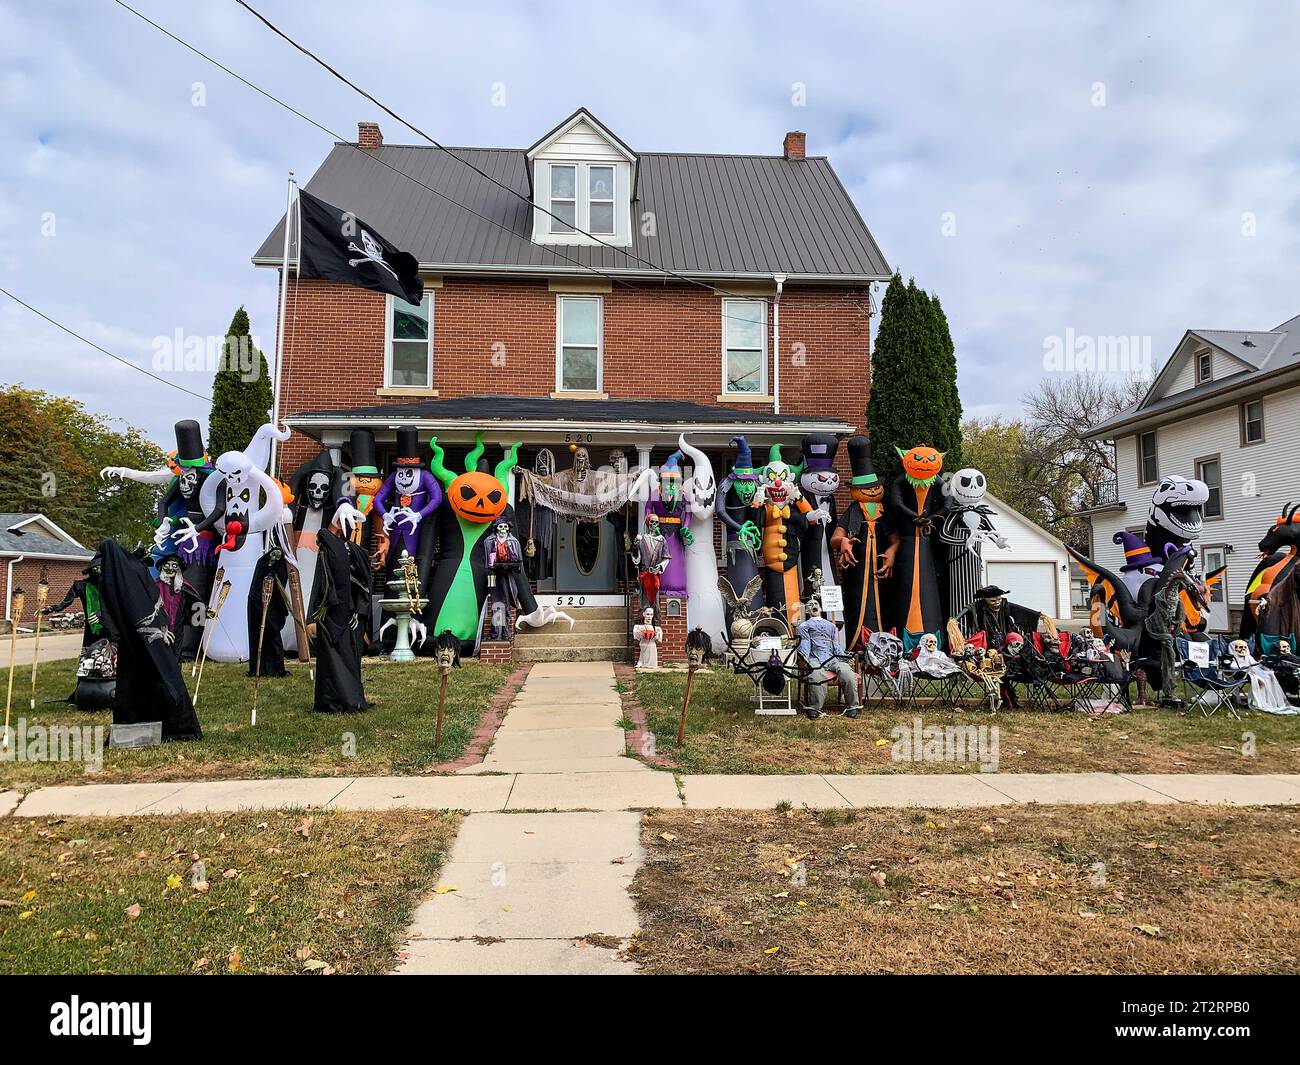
{"points": [[599, 634]]}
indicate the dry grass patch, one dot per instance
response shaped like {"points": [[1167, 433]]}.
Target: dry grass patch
{"points": [[724, 736], [281, 892], [1114, 889]]}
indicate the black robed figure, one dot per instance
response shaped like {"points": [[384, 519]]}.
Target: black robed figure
{"points": [[149, 682], [864, 544], [917, 503], [272, 564], [339, 612]]}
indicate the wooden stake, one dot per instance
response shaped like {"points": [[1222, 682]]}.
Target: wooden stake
{"points": [[206, 635], [268, 586], [42, 593], [686, 704], [17, 613], [299, 611], [442, 695], [222, 592]]}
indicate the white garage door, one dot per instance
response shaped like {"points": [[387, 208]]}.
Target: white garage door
{"points": [[1031, 584]]}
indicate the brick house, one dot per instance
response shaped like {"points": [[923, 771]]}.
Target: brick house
{"points": [[725, 295], [32, 545]]}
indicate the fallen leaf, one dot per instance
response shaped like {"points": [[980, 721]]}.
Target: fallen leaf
{"points": [[28, 896], [444, 889], [230, 874], [133, 911], [173, 881], [878, 878], [667, 837], [1147, 929], [771, 950], [236, 960]]}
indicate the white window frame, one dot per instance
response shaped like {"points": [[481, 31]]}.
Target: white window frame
{"points": [[560, 345], [1206, 374], [1141, 465], [763, 353], [612, 199], [388, 342], [579, 172]]}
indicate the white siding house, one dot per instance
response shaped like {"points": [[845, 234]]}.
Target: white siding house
{"points": [[1035, 569], [1225, 409]]}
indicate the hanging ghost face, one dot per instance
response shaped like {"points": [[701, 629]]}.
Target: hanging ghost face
{"points": [[544, 463], [778, 484], [618, 461], [581, 464], [187, 481], [704, 489], [477, 496], [1178, 507], [318, 489], [966, 487], [921, 464], [406, 479], [820, 483]]}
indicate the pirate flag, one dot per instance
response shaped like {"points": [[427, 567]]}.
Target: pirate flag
{"points": [[336, 245]]}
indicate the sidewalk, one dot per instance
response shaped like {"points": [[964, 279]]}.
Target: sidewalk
{"points": [[604, 791]]}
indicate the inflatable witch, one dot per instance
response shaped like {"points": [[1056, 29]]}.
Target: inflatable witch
{"points": [[740, 532], [245, 506], [917, 504], [186, 470], [865, 543], [704, 609], [967, 523], [674, 514]]}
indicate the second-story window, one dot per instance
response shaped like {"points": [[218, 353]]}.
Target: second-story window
{"points": [[1204, 367], [410, 343], [1148, 462], [600, 199], [564, 197], [1211, 472], [1252, 422], [744, 347], [578, 330]]}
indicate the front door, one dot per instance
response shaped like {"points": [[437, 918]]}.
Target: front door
{"points": [[1211, 559], [585, 556]]}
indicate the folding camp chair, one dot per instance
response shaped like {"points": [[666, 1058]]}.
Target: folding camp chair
{"points": [[883, 668], [1207, 670]]}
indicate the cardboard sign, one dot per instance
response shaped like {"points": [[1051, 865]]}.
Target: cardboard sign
{"points": [[832, 598]]}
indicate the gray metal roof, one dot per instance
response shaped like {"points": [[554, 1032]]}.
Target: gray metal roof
{"points": [[715, 215], [1268, 352], [15, 541]]}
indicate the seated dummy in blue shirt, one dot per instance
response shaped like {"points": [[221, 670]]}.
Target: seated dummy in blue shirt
{"points": [[820, 646]]}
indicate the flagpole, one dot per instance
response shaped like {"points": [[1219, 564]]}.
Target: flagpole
{"points": [[279, 327]]}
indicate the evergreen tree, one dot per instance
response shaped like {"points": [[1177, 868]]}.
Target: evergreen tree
{"points": [[241, 402], [913, 380]]}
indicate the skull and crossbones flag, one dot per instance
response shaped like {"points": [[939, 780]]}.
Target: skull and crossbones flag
{"points": [[338, 246]]}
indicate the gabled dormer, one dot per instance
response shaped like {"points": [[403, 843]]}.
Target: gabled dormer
{"points": [[1204, 357], [586, 177]]}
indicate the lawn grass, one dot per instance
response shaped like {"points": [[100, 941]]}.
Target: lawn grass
{"points": [[724, 735], [394, 737], [1080, 889], [288, 892]]}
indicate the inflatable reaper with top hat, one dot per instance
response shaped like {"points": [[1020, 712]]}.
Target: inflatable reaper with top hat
{"points": [[408, 496], [864, 542]]}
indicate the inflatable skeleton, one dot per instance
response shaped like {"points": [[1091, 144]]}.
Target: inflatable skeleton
{"points": [[245, 506], [1176, 514], [967, 523]]}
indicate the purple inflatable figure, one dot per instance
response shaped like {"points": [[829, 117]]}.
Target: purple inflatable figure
{"points": [[408, 496], [674, 515]]}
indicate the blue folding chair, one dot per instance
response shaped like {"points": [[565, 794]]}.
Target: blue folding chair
{"points": [[1210, 675]]}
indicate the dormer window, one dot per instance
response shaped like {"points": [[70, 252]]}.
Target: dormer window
{"points": [[583, 181], [1204, 367]]}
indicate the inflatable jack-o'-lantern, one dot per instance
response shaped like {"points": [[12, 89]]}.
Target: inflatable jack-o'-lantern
{"points": [[477, 496], [921, 464]]}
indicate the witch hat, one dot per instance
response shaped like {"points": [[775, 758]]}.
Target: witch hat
{"points": [[743, 468], [671, 470], [864, 473], [189, 444], [362, 446], [408, 446], [1137, 555], [819, 451]]}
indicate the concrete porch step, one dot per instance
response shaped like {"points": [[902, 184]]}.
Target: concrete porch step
{"points": [[552, 653], [585, 613], [581, 624], [525, 638]]}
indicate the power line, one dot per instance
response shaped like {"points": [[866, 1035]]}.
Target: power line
{"points": [[84, 340]]}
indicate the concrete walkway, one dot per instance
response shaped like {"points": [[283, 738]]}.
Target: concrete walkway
{"points": [[54, 646], [652, 790], [530, 893]]}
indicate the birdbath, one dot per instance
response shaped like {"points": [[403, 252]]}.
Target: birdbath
{"points": [[403, 601]]}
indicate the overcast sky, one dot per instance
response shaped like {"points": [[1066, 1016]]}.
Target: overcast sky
{"points": [[1114, 169]]}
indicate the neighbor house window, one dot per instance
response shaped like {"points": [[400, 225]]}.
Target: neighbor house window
{"points": [[1252, 422], [1204, 367], [1210, 471], [410, 342], [564, 197], [744, 347], [1148, 462], [600, 181], [579, 328]]}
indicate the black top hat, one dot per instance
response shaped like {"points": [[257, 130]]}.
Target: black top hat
{"points": [[408, 446], [362, 446], [189, 444], [990, 591], [820, 449], [864, 472]]}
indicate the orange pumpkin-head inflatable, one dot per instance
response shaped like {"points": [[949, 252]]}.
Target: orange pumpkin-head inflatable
{"points": [[477, 496], [868, 493], [921, 464]]}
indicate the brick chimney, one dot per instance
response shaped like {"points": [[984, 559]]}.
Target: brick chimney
{"points": [[369, 136], [794, 144]]}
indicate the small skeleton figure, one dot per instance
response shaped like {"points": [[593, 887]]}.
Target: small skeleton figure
{"points": [[650, 553], [648, 636], [502, 558]]}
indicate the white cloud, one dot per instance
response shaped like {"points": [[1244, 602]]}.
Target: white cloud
{"points": [[1117, 220]]}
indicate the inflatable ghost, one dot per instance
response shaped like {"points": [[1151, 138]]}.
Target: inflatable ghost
{"points": [[704, 608]]}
